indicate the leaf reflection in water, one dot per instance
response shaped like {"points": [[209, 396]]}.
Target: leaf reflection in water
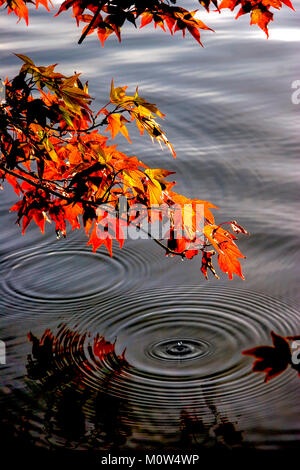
{"points": [[79, 414]]}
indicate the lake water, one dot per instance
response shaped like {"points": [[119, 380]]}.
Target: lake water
{"points": [[230, 117]]}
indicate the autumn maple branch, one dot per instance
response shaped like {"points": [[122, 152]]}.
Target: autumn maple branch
{"points": [[53, 153], [70, 200]]}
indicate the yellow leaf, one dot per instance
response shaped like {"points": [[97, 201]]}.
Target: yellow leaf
{"points": [[117, 94], [158, 173], [154, 192], [25, 59], [132, 179], [103, 157]]}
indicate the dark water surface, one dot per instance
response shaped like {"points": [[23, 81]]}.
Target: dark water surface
{"points": [[236, 134]]}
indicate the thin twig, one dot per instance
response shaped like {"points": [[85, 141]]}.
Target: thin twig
{"points": [[90, 25]]}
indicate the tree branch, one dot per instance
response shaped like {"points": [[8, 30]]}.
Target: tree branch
{"points": [[92, 204], [90, 25]]}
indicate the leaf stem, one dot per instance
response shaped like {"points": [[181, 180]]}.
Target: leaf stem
{"points": [[90, 25]]}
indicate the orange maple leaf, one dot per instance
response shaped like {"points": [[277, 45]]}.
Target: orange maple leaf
{"points": [[228, 251], [262, 18]]}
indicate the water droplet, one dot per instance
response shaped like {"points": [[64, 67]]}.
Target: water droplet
{"points": [[183, 349]]}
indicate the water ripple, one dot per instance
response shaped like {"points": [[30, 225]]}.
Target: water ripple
{"points": [[71, 273], [213, 325]]}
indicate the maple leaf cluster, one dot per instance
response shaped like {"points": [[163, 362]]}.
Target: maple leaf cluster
{"points": [[64, 170], [273, 360], [259, 10], [107, 17]]}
